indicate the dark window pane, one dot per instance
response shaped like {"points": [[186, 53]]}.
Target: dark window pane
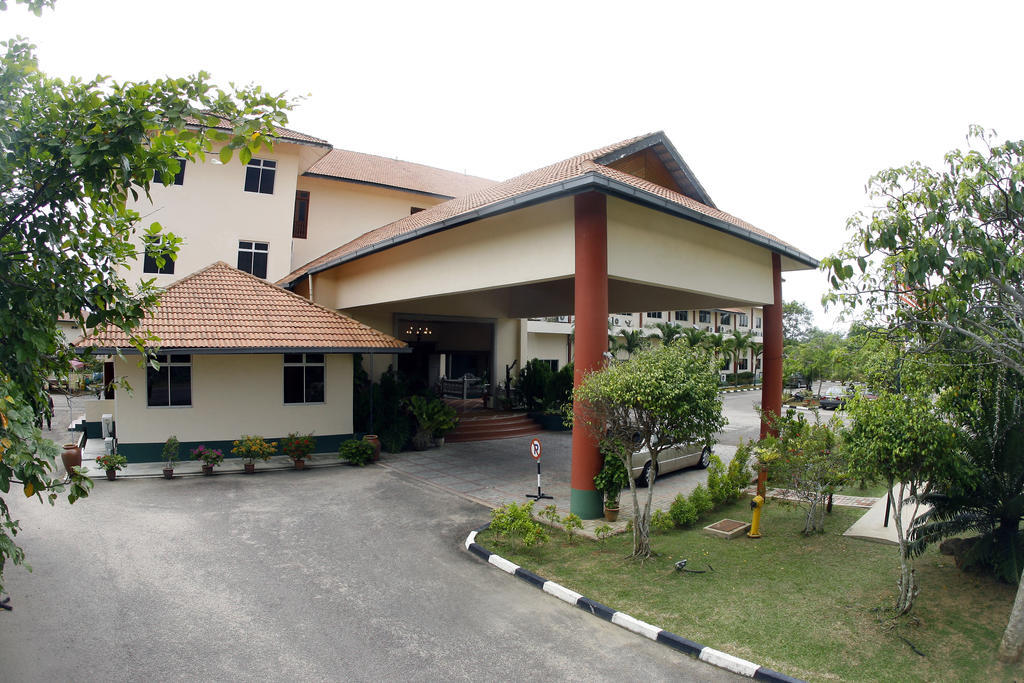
{"points": [[261, 246], [181, 358], [181, 385], [149, 264], [252, 179], [244, 245], [156, 386], [293, 392], [259, 264], [179, 177], [314, 384], [300, 220], [267, 163], [267, 181], [245, 261], [293, 358], [314, 358]]}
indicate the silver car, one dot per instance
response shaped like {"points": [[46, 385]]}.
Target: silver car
{"points": [[671, 459]]}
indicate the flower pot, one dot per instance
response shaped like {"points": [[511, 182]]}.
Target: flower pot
{"points": [[611, 514], [375, 440], [207, 469], [300, 463], [250, 467], [168, 473], [439, 441], [111, 475], [71, 455]]}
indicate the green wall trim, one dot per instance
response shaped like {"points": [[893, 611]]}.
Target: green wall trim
{"points": [[586, 504], [150, 452], [94, 430]]}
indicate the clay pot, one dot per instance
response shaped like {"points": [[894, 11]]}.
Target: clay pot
{"points": [[375, 440], [611, 514], [111, 475], [250, 467], [207, 469], [300, 463], [71, 455], [168, 473]]}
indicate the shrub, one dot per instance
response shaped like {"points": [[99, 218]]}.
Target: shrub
{"points": [[433, 419], [208, 456], [253, 448], [738, 473], [170, 451], [298, 446], [356, 452], [682, 511], [661, 520], [558, 391], [516, 522], [550, 513], [721, 488], [603, 532], [611, 479], [533, 383], [701, 500], [572, 524], [113, 461]]}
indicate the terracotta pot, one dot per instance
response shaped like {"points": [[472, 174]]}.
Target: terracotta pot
{"points": [[300, 463], [207, 469], [111, 475], [168, 473], [611, 514], [375, 440], [250, 467], [71, 455]]}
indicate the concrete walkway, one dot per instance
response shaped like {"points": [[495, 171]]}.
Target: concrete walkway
{"points": [[870, 526]]}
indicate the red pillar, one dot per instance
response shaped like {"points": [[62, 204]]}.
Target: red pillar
{"points": [[771, 384], [591, 315]]}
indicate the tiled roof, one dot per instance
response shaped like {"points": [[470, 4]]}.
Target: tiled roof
{"points": [[220, 307], [280, 133], [369, 168], [569, 169]]}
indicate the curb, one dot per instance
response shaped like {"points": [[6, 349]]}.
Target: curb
{"points": [[708, 655], [738, 391]]}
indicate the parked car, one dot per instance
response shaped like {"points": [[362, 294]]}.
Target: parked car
{"points": [[671, 459], [835, 397]]}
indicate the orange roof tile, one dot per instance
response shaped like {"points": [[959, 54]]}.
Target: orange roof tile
{"points": [[286, 134], [369, 168], [469, 206], [220, 307]]}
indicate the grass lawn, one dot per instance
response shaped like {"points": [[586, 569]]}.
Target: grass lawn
{"points": [[812, 607]]}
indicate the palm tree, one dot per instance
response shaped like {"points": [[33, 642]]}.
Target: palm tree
{"points": [[715, 341], [736, 343], [669, 332], [756, 349], [694, 336], [633, 341]]}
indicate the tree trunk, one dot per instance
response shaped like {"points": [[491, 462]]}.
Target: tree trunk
{"points": [[1012, 646], [906, 585]]}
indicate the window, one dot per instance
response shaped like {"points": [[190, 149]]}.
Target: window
{"points": [[259, 176], [179, 177], [552, 363], [741, 365], [682, 315], [757, 323], [654, 314], [726, 363], [149, 264], [741, 319], [705, 316], [726, 319], [414, 209], [303, 378], [300, 221], [171, 383], [252, 257]]}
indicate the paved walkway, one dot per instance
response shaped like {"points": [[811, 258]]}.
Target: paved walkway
{"points": [[845, 501]]}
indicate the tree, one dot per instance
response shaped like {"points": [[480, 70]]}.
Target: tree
{"points": [[694, 336], [669, 332], [633, 341], [656, 399], [756, 350], [71, 153], [943, 258], [797, 322], [736, 343]]}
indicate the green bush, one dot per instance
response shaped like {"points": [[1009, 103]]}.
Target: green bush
{"points": [[701, 500], [572, 524], [355, 451], [516, 522], [391, 421], [722, 489], [661, 521], [170, 451], [603, 532], [558, 391], [533, 383], [683, 512], [738, 473]]}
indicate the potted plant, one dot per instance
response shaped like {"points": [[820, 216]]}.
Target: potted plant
{"points": [[253, 448], [208, 456], [610, 481], [170, 455], [356, 452], [434, 419], [112, 463], [298, 447]]}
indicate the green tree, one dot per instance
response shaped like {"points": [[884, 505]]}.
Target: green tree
{"points": [[943, 258], [669, 332], [633, 341], [797, 322], [694, 336], [657, 398], [756, 351], [735, 344], [71, 154]]}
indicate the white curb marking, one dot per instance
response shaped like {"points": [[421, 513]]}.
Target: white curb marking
{"points": [[727, 661], [471, 539], [503, 564], [635, 625], [561, 592]]}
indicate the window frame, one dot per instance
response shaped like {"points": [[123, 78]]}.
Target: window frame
{"points": [[266, 174], [253, 251], [657, 315], [168, 361], [682, 316], [300, 228], [149, 264], [725, 319], [742, 320], [704, 317], [179, 177], [307, 366]]}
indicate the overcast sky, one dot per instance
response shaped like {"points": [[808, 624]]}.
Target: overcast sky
{"points": [[782, 110]]}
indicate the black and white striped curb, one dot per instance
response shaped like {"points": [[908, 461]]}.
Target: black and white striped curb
{"points": [[738, 391], [709, 655]]}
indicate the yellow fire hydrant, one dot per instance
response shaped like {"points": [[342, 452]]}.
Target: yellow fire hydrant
{"points": [[755, 524]]}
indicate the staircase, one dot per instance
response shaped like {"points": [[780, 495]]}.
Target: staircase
{"points": [[489, 426]]}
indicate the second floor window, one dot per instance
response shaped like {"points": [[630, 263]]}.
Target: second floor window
{"points": [[259, 176], [179, 177], [705, 316], [682, 316], [726, 319], [149, 264], [757, 323], [654, 314], [741, 319], [252, 257], [300, 221]]}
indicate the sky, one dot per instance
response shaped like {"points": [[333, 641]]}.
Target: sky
{"points": [[782, 110]]}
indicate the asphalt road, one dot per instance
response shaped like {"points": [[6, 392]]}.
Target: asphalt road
{"points": [[336, 574]]}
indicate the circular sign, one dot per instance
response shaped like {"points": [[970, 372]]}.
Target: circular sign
{"points": [[535, 449]]}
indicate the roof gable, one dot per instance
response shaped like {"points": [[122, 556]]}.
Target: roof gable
{"points": [[655, 158]]}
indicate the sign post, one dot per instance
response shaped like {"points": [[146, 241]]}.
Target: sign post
{"points": [[535, 452]]}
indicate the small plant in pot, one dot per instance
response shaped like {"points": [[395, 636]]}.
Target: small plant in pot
{"points": [[111, 463], [356, 452], [208, 456], [170, 455], [253, 448], [434, 419], [610, 481], [298, 447]]}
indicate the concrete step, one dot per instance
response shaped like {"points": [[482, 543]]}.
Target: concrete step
{"points": [[488, 427]]}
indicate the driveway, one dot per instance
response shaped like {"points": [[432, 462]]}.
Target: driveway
{"points": [[327, 574]]}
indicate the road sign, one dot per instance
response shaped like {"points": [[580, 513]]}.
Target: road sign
{"points": [[535, 449], [535, 452]]}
